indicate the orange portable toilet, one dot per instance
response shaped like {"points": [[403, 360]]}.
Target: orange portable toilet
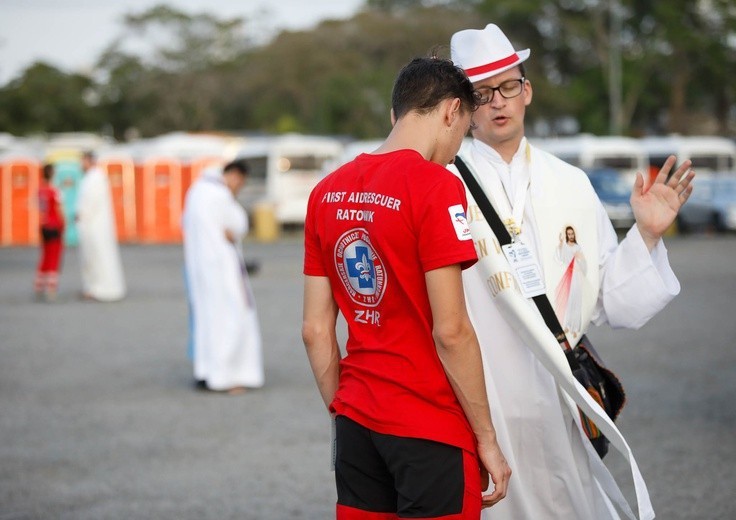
{"points": [[160, 200], [186, 181], [121, 172], [202, 163], [19, 219]]}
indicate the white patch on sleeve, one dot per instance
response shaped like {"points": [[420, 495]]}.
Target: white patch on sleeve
{"points": [[457, 215]]}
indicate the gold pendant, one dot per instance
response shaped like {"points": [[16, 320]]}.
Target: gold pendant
{"points": [[512, 227]]}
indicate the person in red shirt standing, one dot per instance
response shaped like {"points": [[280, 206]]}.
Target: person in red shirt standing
{"points": [[386, 238], [52, 236]]}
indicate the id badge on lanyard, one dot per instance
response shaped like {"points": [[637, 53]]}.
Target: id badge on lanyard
{"points": [[523, 261], [525, 268]]}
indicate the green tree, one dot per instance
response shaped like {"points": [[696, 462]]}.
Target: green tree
{"points": [[178, 85], [337, 78], [693, 59], [678, 62], [680, 51], [45, 99]]}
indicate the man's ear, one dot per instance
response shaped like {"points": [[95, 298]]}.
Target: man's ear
{"points": [[452, 110], [528, 93], [393, 117]]}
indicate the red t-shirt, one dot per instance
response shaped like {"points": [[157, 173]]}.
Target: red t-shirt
{"points": [[49, 206], [374, 227]]}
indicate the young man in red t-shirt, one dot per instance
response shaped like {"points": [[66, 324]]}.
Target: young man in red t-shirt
{"points": [[52, 236], [385, 241]]}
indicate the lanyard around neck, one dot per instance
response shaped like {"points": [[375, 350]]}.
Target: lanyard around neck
{"points": [[511, 213]]}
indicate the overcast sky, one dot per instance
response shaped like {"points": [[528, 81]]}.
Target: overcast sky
{"points": [[71, 34]]}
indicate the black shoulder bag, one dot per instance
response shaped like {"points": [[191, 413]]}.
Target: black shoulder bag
{"points": [[587, 367]]}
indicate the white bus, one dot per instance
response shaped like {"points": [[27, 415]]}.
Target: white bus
{"points": [[350, 151], [709, 154], [283, 171], [590, 152], [354, 148]]}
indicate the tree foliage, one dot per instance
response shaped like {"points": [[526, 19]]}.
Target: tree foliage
{"points": [[677, 59], [199, 72], [45, 99]]}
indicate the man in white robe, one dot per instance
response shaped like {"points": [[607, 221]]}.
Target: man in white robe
{"points": [[557, 474], [101, 267], [226, 335]]}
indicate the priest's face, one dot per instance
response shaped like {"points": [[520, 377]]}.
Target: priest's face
{"points": [[234, 181], [500, 122]]}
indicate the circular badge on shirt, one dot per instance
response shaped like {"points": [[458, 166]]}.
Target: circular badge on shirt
{"points": [[360, 268]]}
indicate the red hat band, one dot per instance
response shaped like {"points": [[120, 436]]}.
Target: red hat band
{"points": [[489, 67]]}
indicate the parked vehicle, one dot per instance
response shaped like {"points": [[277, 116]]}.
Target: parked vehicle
{"points": [[354, 148], [349, 152], [589, 152], [284, 171], [707, 153], [712, 205], [614, 191]]}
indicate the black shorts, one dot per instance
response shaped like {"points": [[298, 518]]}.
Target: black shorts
{"points": [[384, 477]]}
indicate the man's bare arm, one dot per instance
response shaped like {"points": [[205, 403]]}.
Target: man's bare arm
{"points": [[459, 352], [319, 335]]}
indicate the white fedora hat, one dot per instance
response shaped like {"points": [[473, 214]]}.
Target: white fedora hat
{"points": [[484, 53]]}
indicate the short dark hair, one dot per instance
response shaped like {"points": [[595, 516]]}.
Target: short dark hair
{"points": [[238, 166], [89, 154], [48, 171], [424, 82]]}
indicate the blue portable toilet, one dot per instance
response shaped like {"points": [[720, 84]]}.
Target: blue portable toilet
{"points": [[67, 177]]}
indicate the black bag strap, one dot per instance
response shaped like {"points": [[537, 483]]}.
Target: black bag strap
{"points": [[503, 236]]}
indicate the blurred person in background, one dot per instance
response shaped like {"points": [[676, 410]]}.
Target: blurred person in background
{"points": [[540, 199], [52, 236], [101, 267], [225, 337]]}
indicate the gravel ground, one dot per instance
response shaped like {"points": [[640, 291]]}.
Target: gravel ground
{"points": [[99, 418]]}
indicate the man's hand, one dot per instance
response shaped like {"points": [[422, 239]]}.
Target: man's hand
{"points": [[494, 463], [655, 207]]}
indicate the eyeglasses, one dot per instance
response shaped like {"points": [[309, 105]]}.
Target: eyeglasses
{"points": [[508, 89]]}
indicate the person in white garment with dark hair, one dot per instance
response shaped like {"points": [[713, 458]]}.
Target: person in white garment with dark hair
{"points": [[557, 473], [101, 267], [226, 337]]}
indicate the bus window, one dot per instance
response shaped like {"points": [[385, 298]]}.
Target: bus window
{"points": [[301, 163], [569, 159], [617, 162], [258, 167], [657, 160], [710, 162]]}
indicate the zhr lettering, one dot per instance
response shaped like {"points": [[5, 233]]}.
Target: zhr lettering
{"points": [[369, 317]]}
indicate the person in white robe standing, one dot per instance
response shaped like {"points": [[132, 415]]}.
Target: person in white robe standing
{"points": [[226, 346], [101, 267], [557, 474]]}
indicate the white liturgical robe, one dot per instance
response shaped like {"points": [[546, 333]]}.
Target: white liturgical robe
{"points": [[101, 268], [226, 334], [556, 473]]}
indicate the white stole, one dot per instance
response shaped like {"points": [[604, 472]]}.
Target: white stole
{"points": [[561, 204], [571, 270], [524, 318]]}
